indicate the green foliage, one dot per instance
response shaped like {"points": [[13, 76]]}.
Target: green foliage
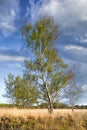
{"points": [[46, 69], [25, 93], [6, 105], [10, 87], [43, 33], [21, 91], [55, 105], [46, 74]]}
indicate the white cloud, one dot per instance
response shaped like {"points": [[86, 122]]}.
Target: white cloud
{"points": [[7, 28], [67, 12], [83, 40], [11, 58], [9, 11], [74, 47], [84, 88], [70, 14]]}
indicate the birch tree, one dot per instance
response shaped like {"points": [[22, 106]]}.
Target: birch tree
{"points": [[46, 69], [73, 93]]}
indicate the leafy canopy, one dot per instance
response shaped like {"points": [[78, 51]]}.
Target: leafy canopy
{"points": [[47, 70]]}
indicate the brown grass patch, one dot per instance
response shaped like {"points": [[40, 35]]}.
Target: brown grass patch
{"points": [[40, 119], [38, 112]]}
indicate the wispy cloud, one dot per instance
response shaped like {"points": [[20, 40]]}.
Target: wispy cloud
{"points": [[7, 54], [74, 47], [33, 10], [76, 53], [11, 58], [9, 11]]}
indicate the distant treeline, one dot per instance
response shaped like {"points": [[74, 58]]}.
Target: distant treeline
{"points": [[44, 105], [81, 106]]}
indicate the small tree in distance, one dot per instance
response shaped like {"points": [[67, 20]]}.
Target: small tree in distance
{"points": [[9, 88], [25, 93], [20, 91], [72, 93], [46, 70]]}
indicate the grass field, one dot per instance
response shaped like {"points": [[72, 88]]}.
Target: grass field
{"points": [[40, 119], [39, 112]]}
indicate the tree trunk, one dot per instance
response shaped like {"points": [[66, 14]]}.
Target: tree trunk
{"points": [[72, 108], [50, 102], [50, 107]]}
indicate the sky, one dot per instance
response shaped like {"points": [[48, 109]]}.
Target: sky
{"points": [[71, 15]]}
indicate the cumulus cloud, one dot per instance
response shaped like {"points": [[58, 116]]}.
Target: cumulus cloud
{"points": [[67, 12], [70, 14], [9, 11]]}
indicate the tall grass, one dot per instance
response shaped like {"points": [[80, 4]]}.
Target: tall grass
{"points": [[39, 119]]}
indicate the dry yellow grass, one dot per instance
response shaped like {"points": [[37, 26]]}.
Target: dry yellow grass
{"points": [[38, 112], [40, 119]]}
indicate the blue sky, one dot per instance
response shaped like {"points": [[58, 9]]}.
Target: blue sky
{"points": [[71, 15]]}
